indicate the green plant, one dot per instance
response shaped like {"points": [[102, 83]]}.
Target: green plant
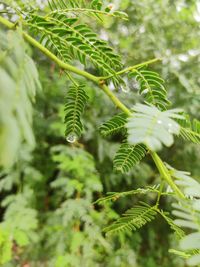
{"points": [[145, 127]]}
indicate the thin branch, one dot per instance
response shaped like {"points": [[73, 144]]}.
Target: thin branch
{"points": [[165, 173], [60, 63], [133, 68], [88, 10]]}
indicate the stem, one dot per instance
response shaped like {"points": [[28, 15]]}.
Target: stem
{"points": [[132, 68], [165, 174], [7, 23], [50, 55], [77, 9], [59, 62], [115, 100], [100, 81], [159, 193]]}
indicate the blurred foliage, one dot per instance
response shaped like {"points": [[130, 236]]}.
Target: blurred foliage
{"points": [[48, 215]]}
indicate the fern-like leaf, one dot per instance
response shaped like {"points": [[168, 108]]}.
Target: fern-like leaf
{"points": [[128, 156], [94, 9], [114, 125], [152, 127], [113, 196], [177, 230], [190, 186], [133, 219], [190, 218], [62, 4], [75, 103], [67, 39], [152, 86], [190, 129], [19, 81]]}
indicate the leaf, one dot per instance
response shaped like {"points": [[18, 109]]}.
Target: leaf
{"points": [[190, 129], [128, 156], [19, 81], [5, 246], [76, 100], [152, 87], [114, 125], [190, 186], [178, 231], [133, 219], [93, 9], [152, 127], [113, 196], [180, 253], [68, 40], [189, 218]]}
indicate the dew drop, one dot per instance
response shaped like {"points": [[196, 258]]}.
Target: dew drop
{"points": [[71, 138], [159, 121], [145, 91], [169, 125], [125, 89]]}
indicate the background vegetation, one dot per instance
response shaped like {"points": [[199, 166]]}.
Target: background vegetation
{"points": [[48, 215]]}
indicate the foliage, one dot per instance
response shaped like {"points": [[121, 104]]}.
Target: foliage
{"points": [[190, 130], [152, 127], [19, 82], [114, 125], [128, 156], [151, 85], [76, 100], [49, 210]]}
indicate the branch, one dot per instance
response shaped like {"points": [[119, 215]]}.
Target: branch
{"points": [[165, 173], [133, 68], [89, 10], [100, 82], [44, 50]]}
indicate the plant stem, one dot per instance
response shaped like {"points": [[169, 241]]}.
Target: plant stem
{"points": [[7, 23], [165, 173], [132, 68], [50, 55], [60, 63], [115, 100], [100, 81], [90, 10], [159, 193]]}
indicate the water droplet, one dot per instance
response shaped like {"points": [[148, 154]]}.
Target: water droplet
{"points": [[169, 125], [71, 138], [125, 89], [145, 91], [159, 121]]}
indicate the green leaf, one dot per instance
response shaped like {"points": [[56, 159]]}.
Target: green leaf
{"points": [[190, 186], [128, 156], [19, 81], [177, 230], [5, 246], [152, 87], [69, 40], [76, 100], [113, 196], [152, 127], [114, 125], [133, 219], [190, 129]]}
